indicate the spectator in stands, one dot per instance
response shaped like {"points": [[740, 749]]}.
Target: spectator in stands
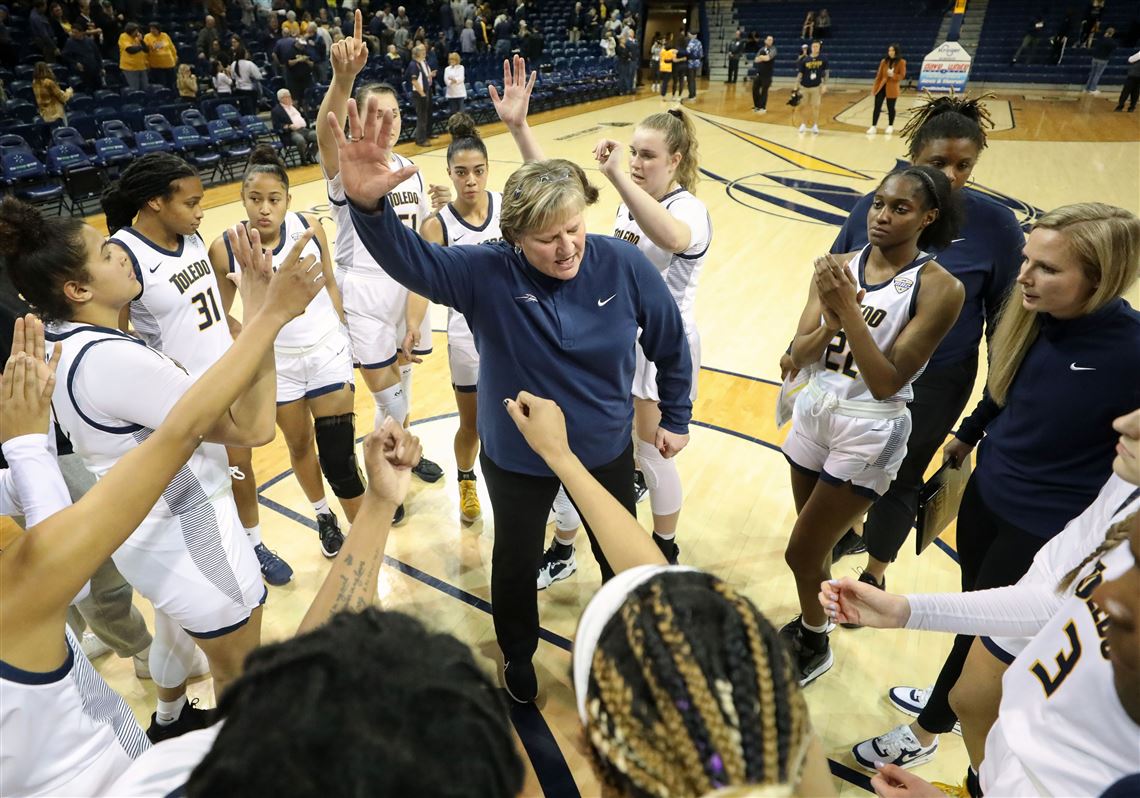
{"points": [[299, 72], [655, 48], [319, 52], [290, 27], [50, 98], [592, 29], [393, 66], [576, 22], [206, 38], [467, 44], [132, 57], [402, 20], [608, 45], [60, 26], [377, 27], [221, 79], [823, 24], [892, 71], [187, 83], [322, 33], [735, 50], [400, 38], [765, 62], [39, 27], [161, 57], [1131, 90], [503, 36], [247, 81], [454, 77], [695, 52], [111, 24], [811, 80], [295, 132], [420, 77], [1029, 40], [807, 30], [1090, 23], [81, 54], [533, 45], [438, 57], [666, 66], [1101, 51], [283, 50]]}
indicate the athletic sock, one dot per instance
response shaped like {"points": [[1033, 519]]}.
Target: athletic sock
{"points": [[817, 629], [668, 537], [169, 711], [563, 551], [254, 533], [321, 507], [973, 786], [466, 476]]}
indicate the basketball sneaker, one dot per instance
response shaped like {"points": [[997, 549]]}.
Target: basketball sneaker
{"points": [[274, 570], [890, 129], [898, 747], [872, 130], [866, 579], [398, 516], [809, 661], [191, 719], [329, 532], [912, 700], [93, 646], [803, 128], [521, 682], [851, 543], [556, 565], [815, 129], [790, 629], [640, 489], [427, 470], [469, 509]]}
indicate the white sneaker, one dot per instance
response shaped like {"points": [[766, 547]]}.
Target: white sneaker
{"points": [[912, 700], [803, 128], [872, 130], [554, 569], [93, 646], [898, 747], [890, 129], [762, 111], [201, 666], [815, 129]]}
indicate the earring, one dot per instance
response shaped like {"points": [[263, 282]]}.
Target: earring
{"points": [[518, 249]]}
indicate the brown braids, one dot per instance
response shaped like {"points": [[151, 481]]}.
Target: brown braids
{"points": [[1117, 534], [952, 116]]}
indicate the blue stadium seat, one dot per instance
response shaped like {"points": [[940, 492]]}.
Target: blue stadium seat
{"points": [[112, 152], [230, 144], [69, 135], [117, 128], [147, 141], [27, 178], [196, 149]]}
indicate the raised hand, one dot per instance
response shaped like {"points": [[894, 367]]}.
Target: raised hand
{"points": [[390, 453], [541, 423], [513, 105], [608, 155], [440, 195], [296, 281], [849, 601], [364, 154], [837, 292], [28, 382], [350, 55], [255, 264]]}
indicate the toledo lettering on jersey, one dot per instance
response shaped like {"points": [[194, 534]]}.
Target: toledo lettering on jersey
{"points": [[404, 198], [191, 274], [627, 235]]}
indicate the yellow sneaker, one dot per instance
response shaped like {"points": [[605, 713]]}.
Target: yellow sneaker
{"points": [[469, 508], [953, 790]]}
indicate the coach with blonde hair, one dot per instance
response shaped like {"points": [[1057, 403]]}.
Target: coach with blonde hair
{"points": [[555, 312]]}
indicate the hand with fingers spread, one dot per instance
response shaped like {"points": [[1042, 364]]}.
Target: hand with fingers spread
{"points": [[255, 267], [350, 55], [542, 425], [28, 382], [296, 281], [390, 453], [847, 600], [440, 195], [364, 154], [608, 155], [513, 105]]}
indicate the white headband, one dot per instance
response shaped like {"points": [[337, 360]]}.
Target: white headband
{"points": [[603, 606]]}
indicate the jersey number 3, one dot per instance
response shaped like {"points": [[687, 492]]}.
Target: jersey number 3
{"points": [[844, 361], [208, 307]]}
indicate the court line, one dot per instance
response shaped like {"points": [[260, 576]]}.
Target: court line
{"points": [[742, 376]]}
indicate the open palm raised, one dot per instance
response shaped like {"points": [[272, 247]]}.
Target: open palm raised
{"points": [[365, 155]]}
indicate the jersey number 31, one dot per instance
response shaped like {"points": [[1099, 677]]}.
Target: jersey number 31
{"points": [[208, 307]]}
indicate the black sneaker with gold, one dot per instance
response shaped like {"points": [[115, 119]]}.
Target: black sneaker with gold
{"points": [[190, 720]]}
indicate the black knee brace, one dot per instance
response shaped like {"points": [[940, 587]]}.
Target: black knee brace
{"points": [[336, 452]]}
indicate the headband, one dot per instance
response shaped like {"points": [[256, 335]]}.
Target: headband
{"points": [[930, 184], [603, 606]]}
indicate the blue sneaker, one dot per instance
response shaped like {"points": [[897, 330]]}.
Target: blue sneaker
{"points": [[274, 570]]}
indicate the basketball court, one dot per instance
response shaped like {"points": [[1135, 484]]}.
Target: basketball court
{"points": [[776, 199]]}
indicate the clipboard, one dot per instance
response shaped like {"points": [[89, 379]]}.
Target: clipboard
{"points": [[938, 502]]}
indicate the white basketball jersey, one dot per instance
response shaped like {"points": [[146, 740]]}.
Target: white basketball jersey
{"points": [[411, 202], [319, 318], [101, 439], [1060, 714], [887, 308], [179, 309], [459, 233], [64, 732], [680, 270]]}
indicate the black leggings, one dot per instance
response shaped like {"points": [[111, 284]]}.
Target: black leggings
{"points": [[521, 503], [992, 553], [881, 95], [760, 91], [940, 395], [1131, 91]]}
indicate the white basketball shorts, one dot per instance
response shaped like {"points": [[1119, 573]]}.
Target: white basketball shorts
{"points": [[462, 357], [309, 372], [645, 372]]}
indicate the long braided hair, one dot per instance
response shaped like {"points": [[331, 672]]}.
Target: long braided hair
{"points": [[1117, 534], [690, 691], [370, 704], [952, 116]]}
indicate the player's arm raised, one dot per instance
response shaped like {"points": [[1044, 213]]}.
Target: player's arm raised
{"points": [[348, 57], [514, 104], [663, 228], [818, 324]]}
